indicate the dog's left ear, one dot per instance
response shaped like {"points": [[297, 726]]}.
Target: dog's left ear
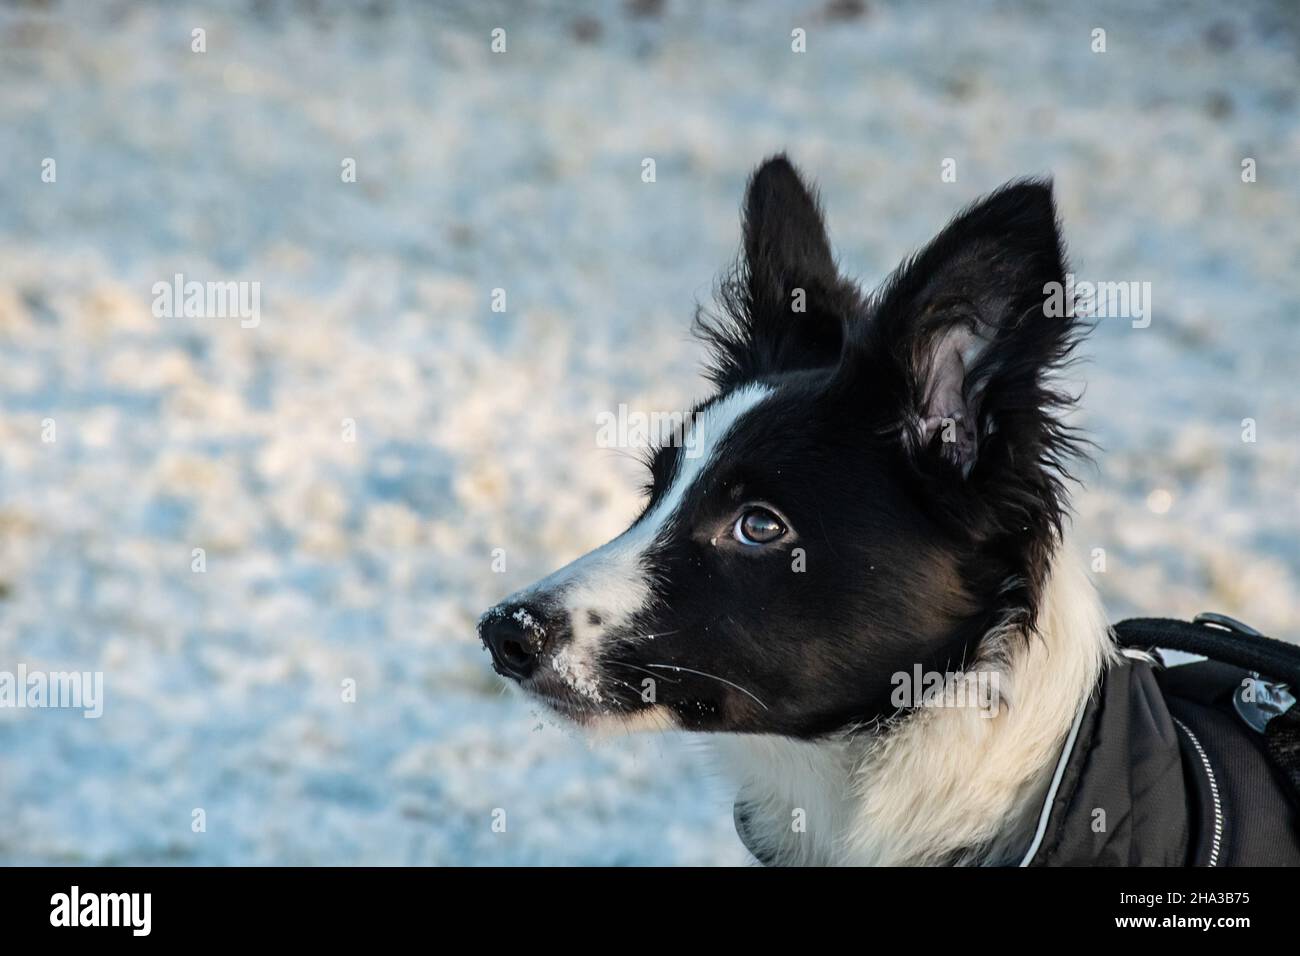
{"points": [[962, 339], [787, 306]]}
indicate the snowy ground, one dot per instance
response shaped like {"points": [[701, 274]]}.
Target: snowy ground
{"points": [[330, 560]]}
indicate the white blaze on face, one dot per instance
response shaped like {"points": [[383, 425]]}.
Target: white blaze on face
{"points": [[613, 581]]}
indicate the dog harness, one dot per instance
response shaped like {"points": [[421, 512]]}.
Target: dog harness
{"points": [[1187, 765]]}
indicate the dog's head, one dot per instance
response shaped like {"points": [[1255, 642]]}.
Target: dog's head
{"points": [[877, 484]]}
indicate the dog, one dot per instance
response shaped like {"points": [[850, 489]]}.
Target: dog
{"points": [[880, 494]]}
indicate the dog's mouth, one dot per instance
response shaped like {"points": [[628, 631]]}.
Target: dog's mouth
{"points": [[570, 691], [568, 709]]}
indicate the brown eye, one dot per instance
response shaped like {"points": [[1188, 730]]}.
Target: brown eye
{"points": [[758, 526]]}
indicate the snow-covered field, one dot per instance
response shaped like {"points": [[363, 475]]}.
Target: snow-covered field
{"points": [[329, 561]]}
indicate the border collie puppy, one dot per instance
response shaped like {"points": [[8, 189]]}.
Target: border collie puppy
{"points": [[875, 495]]}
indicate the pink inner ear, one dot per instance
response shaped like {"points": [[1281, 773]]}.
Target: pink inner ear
{"points": [[946, 411]]}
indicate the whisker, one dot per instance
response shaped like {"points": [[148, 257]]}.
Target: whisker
{"points": [[678, 667], [624, 683], [644, 671]]}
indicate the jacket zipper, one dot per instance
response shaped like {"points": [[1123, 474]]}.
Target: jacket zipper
{"points": [[1214, 793]]}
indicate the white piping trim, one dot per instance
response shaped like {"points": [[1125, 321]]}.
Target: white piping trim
{"points": [[1056, 784]]}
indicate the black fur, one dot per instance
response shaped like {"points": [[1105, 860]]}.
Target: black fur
{"points": [[990, 266], [785, 249]]}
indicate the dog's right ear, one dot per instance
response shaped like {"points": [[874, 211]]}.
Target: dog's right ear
{"points": [[785, 303]]}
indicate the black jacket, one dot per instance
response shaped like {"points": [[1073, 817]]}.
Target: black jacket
{"points": [[1163, 771]]}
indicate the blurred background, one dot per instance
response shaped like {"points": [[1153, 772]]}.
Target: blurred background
{"points": [[330, 560]]}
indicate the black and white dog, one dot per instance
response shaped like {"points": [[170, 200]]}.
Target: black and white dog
{"points": [[879, 493]]}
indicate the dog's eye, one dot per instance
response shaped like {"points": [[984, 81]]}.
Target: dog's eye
{"points": [[758, 526]]}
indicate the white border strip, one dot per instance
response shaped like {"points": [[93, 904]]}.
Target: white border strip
{"points": [[1056, 784]]}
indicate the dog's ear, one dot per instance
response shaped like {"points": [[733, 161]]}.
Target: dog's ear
{"points": [[786, 305], [963, 337]]}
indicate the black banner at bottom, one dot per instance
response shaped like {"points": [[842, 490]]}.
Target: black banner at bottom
{"points": [[336, 906]]}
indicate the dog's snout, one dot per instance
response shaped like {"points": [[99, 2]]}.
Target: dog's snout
{"points": [[515, 637]]}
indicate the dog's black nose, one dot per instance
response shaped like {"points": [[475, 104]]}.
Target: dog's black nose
{"points": [[515, 636]]}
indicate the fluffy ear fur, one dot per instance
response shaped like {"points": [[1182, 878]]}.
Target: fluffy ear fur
{"points": [[958, 354], [965, 324], [785, 305]]}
